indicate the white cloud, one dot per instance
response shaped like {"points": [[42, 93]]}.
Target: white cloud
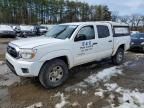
{"points": [[124, 7]]}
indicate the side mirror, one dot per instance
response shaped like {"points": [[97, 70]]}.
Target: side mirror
{"points": [[80, 37]]}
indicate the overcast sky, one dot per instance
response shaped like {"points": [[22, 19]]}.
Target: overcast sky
{"points": [[124, 7]]}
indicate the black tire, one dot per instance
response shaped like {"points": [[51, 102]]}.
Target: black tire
{"points": [[46, 71], [143, 48], [118, 58]]}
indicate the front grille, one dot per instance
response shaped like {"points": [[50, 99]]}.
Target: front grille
{"points": [[136, 43], [9, 32], [12, 51]]}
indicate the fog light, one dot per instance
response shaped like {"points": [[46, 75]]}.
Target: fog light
{"points": [[25, 70]]}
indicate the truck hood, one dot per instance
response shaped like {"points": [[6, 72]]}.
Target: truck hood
{"points": [[35, 42]]}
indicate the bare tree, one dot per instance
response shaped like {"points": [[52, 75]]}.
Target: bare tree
{"points": [[135, 21], [115, 16], [124, 19]]}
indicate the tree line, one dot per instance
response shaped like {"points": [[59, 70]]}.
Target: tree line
{"points": [[50, 11]]}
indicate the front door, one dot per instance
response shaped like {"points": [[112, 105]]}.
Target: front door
{"points": [[84, 47]]}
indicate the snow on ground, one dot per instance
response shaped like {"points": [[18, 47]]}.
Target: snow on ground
{"points": [[2, 62], [84, 92], [63, 100], [36, 105], [126, 98], [111, 87], [129, 98], [139, 56], [75, 104], [89, 104], [100, 93], [103, 75]]}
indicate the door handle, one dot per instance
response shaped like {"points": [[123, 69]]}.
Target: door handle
{"points": [[110, 41], [95, 43]]}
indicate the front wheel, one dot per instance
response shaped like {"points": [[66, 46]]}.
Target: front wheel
{"points": [[53, 73], [118, 58]]}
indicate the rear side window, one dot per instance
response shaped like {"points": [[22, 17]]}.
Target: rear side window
{"points": [[121, 31], [103, 31]]}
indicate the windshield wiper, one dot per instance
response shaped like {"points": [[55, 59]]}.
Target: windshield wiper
{"points": [[56, 35]]}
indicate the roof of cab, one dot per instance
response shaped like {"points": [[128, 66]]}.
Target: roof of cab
{"points": [[96, 22]]}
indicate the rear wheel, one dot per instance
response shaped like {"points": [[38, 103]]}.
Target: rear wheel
{"points": [[53, 73], [118, 58]]}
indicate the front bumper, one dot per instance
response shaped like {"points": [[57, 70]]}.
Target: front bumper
{"points": [[137, 47], [7, 34], [16, 66]]}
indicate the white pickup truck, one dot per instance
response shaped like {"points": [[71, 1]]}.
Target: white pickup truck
{"points": [[65, 46]]}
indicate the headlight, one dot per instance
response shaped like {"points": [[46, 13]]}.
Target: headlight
{"points": [[142, 43], [142, 38], [132, 43], [27, 53]]}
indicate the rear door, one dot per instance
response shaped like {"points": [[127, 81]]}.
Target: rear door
{"points": [[105, 40]]}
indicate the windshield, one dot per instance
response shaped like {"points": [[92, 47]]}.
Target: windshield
{"points": [[61, 31], [138, 36]]}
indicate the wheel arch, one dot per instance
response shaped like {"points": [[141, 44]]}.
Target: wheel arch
{"points": [[64, 55], [119, 46]]}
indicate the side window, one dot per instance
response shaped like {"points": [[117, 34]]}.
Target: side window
{"points": [[87, 32], [103, 31], [121, 31]]}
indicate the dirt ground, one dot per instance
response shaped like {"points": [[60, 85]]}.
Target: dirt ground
{"points": [[81, 90]]}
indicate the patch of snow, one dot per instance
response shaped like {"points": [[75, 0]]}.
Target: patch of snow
{"points": [[75, 104], [63, 100], [2, 62], [84, 92], [127, 105], [112, 96], [76, 87], [132, 99], [103, 75], [77, 90], [111, 87], [127, 63], [139, 55], [89, 104], [129, 99], [99, 94], [36, 105], [119, 89]]}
